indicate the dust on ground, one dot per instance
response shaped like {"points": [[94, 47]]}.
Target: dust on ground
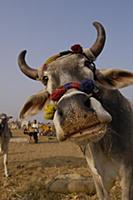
{"points": [[31, 165]]}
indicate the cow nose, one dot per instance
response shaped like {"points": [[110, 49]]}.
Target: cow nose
{"points": [[87, 102], [76, 111], [75, 104], [64, 108], [73, 114]]}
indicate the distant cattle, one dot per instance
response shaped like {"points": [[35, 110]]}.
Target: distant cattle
{"points": [[89, 110], [5, 135]]}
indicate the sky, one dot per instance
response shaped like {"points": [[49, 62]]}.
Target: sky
{"points": [[46, 27]]}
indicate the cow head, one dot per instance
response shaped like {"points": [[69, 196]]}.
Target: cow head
{"points": [[79, 114], [3, 121]]}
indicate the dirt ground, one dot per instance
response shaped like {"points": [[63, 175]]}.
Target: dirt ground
{"points": [[31, 165]]}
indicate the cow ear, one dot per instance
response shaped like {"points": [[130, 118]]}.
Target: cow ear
{"points": [[34, 104], [115, 78]]}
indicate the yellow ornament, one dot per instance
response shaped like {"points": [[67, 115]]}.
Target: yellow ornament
{"points": [[49, 111]]}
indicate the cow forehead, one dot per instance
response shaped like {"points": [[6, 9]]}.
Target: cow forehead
{"points": [[66, 62], [68, 67]]}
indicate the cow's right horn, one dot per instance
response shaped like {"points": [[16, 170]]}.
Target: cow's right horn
{"points": [[28, 71]]}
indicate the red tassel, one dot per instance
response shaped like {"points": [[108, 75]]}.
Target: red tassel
{"points": [[77, 48], [57, 94]]}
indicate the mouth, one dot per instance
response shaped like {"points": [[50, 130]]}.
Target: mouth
{"points": [[93, 133]]}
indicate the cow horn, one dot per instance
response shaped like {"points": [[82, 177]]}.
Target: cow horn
{"points": [[97, 47], [28, 71]]}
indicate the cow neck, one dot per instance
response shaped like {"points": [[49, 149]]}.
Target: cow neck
{"points": [[2, 127]]}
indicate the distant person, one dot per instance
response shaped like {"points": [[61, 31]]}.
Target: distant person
{"points": [[35, 128], [28, 130]]}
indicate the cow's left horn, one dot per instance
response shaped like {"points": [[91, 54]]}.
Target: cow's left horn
{"points": [[97, 47], [28, 71]]}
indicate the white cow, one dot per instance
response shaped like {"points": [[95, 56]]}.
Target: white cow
{"points": [[5, 135], [89, 109]]}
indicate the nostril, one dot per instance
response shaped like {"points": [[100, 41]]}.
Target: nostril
{"points": [[87, 103], [85, 116], [60, 112]]}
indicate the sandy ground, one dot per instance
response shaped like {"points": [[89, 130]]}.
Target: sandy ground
{"points": [[31, 165]]}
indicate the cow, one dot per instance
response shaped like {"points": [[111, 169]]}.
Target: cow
{"points": [[5, 136], [90, 110]]}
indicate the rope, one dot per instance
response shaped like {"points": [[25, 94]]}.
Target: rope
{"points": [[85, 85]]}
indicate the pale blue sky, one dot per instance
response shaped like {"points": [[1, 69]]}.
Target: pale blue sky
{"points": [[45, 27]]}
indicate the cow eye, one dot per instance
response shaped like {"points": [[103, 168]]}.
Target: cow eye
{"points": [[45, 80]]}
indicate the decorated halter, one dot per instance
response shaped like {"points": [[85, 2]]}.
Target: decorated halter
{"points": [[75, 49], [86, 85]]}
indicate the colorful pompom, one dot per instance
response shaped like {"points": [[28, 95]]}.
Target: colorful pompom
{"points": [[49, 111], [77, 48], [87, 85], [57, 94]]}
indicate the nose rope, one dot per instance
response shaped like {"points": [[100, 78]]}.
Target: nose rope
{"points": [[86, 86]]}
